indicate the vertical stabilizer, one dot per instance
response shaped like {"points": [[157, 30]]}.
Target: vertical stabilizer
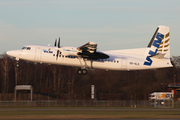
{"points": [[159, 49], [160, 43]]}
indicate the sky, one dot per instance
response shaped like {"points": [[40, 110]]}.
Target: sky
{"points": [[112, 24]]}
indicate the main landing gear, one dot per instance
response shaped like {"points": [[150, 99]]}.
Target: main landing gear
{"points": [[81, 71]]}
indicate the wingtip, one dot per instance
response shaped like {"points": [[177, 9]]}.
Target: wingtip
{"points": [[92, 43]]}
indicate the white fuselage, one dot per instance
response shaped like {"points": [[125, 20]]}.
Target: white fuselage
{"points": [[130, 59]]}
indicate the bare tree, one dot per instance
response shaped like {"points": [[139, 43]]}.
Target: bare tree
{"points": [[5, 67], [54, 76], [176, 61]]}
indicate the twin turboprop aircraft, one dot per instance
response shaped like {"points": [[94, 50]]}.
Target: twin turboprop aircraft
{"points": [[155, 55]]}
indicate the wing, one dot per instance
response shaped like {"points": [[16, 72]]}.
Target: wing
{"points": [[88, 47], [89, 51]]}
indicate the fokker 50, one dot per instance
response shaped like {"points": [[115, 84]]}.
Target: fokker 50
{"points": [[155, 55]]}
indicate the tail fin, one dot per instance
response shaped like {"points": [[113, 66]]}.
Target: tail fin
{"points": [[159, 49], [160, 43]]}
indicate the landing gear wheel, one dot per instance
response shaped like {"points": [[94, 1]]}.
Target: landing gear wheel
{"points": [[17, 64], [84, 71], [79, 72]]}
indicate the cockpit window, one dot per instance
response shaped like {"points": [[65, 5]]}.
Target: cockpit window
{"points": [[26, 48]]}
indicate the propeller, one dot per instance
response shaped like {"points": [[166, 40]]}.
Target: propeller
{"points": [[59, 43], [55, 42], [58, 47]]}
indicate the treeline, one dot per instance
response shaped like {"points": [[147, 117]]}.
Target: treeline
{"points": [[63, 82]]}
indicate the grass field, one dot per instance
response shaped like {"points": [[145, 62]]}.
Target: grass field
{"points": [[113, 113]]}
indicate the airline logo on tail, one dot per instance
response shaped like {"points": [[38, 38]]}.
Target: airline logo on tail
{"points": [[156, 45]]}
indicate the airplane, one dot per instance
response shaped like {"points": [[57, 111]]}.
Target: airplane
{"points": [[155, 55]]}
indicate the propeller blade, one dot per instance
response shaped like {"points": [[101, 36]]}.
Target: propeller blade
{"points": [[57, 54], [59, 43], [58, 51], [55, 42]]}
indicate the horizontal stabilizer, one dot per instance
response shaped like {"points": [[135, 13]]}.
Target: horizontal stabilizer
{"points": [[159, 56]]}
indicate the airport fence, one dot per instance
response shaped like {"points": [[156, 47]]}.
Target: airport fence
{"points": [[87, 103]]}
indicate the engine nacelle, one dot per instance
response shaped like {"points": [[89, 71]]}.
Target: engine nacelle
{"points": [[69, 51]]}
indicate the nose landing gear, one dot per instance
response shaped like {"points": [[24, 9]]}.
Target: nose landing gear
{"points": [[17, 62]]}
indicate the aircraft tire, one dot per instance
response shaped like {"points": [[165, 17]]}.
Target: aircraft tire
{"points": [[79, 72], [17, 65], [84, 71]]}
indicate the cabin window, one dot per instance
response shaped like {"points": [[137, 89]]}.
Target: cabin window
{"points": [[117, 61]]}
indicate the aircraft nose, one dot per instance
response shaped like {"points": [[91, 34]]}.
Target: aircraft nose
{"points": [[13, 53]]}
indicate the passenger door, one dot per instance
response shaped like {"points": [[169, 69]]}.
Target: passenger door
{"points": [[38, 54], [124, 64]]}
